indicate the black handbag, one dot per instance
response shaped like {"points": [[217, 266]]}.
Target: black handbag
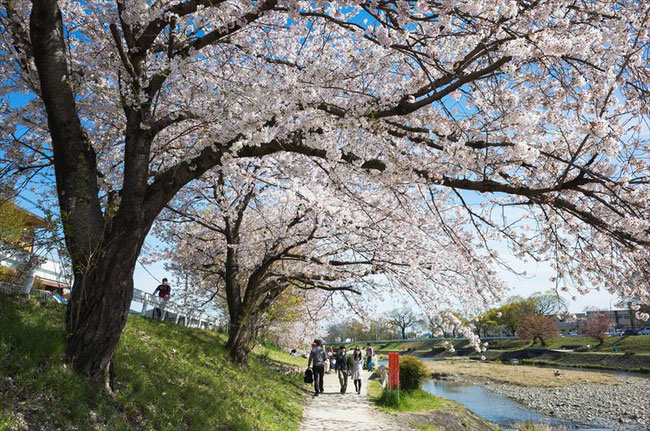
{"points": [[309, 376]]}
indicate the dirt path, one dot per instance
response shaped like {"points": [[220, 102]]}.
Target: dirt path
{"points": [[332, 410]]}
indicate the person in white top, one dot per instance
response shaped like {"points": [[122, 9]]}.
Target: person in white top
{"points": [[355, 372]]}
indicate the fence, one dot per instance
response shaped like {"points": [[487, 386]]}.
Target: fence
{"points": [[185, 316], [14, 289]]}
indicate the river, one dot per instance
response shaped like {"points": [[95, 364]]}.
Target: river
{"points": [[493, 407], [497, 408]]}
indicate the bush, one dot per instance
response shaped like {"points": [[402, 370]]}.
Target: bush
{"points": [[412, 373], [10, 275]]}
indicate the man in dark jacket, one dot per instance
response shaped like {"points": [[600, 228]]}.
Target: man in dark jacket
{"points": [[343, 365], [317, 357], [163, 290]]}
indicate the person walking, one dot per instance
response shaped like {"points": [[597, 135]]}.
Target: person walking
{"points": [[343, 366], [355, 372], [370, 353], [327, 361], [163, 290], [332, 359], [317, 357]]}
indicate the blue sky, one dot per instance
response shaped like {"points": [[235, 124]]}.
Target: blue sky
{"points": [[537, 278]]}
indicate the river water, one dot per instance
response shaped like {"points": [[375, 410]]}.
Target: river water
{"points": [[494, 407]]}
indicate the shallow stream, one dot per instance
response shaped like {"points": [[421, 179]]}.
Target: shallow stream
{"points": [[493, 407], [497, 408]]}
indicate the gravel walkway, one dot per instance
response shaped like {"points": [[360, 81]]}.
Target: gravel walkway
{"points": [[332, 410]]}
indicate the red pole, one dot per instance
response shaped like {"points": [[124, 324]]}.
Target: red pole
{"points": [[393, 371]]}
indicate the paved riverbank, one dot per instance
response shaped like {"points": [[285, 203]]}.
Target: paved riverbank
{"points": [[332, 410]]}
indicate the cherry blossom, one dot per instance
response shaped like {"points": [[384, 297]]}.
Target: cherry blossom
{"points": [[481, 108]]}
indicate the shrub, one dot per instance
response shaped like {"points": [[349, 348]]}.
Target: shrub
{"points": [[10, 275], [412, 373]]}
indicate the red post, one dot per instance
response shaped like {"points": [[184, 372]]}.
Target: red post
{"points": [[393, 370]]}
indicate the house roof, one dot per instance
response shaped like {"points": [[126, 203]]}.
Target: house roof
{"points": [[32, 219]]}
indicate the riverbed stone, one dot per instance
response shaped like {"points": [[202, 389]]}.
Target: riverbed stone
{"points": [[624, 406]]}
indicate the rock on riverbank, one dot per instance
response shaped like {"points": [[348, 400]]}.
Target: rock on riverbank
{"points": [[623, 406]]}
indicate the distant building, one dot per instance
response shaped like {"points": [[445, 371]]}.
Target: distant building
{"points": [[621, 319], [19, 265]]}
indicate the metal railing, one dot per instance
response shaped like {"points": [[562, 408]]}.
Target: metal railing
{"points": [[14, 289], [186, 316]]}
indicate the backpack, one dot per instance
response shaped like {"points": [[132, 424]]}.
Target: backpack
{"points": [[309, 376]]}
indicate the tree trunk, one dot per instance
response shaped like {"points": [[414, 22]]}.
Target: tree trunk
{"points": [[241, 340], [98, 309], [403, 333]]}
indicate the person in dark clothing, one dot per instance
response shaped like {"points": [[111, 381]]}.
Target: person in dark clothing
{"points": [[343, 366], [163, 290], [317, 357]]}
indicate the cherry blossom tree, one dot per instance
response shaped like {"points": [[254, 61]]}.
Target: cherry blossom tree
{"points": [[536, 106], [292, 324], [596, 325], [535, 327], [253, 230]]}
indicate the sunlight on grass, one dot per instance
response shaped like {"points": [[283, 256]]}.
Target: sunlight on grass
{"points": [[409, 401], [168, 378], [519, 374]]}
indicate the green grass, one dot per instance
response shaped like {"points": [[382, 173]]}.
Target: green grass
{"points": [[411, 346], [168, 378], [274, 353], [636, 343], [425, 427], [442, 412], [633, 343], [409, 401]]}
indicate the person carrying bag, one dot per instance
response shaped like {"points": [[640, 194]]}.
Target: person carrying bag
{"points": [[309, 376], [318, 356]]}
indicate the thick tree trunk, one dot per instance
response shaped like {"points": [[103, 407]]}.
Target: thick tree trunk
{"points": [[241, 340], [98, 309]]}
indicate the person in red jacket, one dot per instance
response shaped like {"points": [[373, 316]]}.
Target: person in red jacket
{"points": [[163, 290]]}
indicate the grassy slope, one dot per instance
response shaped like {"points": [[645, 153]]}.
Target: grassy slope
{"points": [[634, 343], [168, 378], [428, 345], [638, 344]]}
